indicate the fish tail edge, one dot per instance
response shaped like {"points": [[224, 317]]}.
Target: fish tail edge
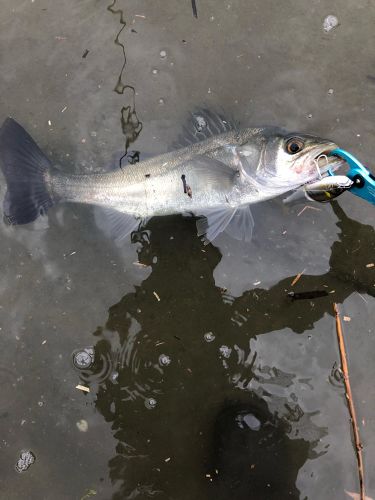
{"points": [[26, 171]]}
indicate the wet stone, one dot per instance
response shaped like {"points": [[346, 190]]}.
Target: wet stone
{"points": [[26, 459]]}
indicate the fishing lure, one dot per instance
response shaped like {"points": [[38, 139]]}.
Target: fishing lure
{"points": [[358, 181]]}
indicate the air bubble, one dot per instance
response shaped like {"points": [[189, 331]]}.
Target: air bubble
{"points": [[200, 122], [164, 360], [26, 459], [150, 403], [225, 351], [83, 358], [330, 23], [209, 337]]}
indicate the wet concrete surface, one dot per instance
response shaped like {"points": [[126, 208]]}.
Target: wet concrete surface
{"points": [[185, 429]]}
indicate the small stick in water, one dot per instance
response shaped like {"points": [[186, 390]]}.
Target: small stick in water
{"points": [[349, 398], [307, 295]]}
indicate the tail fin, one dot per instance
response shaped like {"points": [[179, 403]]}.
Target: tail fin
{"points": [[24, 167]]}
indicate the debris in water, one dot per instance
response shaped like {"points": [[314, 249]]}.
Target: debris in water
{"points": [[167, 459], [84, 55], [330, 23], [308, 207], [163, 54], [26, 459], [347, 318], [89, 493], [140, 264], [64, 109], [357, 496], [297, 278], [49, 123], [82, 425], [315, 294], [194, 7], [83, 388], [157, 296], [330, 91], [370, 265]]}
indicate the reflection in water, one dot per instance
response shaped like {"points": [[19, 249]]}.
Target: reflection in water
{"points": [[216, 421], [130, 124], [253, 455]]}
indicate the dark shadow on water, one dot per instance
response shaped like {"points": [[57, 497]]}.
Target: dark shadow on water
{"points": [[183, 430]]}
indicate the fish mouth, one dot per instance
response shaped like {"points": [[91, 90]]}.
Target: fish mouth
{"points": [[326, 162]]}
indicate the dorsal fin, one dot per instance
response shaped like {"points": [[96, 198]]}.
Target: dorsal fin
{"points": [[201, 125]]}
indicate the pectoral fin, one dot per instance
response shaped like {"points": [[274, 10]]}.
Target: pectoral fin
{"points": [[237, 222]]}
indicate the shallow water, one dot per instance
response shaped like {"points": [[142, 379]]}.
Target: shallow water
{"points": [[225, 387]]}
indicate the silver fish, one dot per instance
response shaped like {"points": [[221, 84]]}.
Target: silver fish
{"points": [[215, 175]]}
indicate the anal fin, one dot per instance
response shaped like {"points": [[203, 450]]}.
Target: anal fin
{"points": [[115, 224]]}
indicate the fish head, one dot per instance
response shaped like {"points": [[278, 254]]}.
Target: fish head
{"points": [[292, 160]]}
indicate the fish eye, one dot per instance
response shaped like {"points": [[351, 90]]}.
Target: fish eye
{"points": [[294, 145]]}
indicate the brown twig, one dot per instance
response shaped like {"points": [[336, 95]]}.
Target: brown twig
{"points": [[349, 398]]}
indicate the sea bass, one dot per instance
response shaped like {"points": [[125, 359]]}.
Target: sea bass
{"points": [[215, 175]]}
